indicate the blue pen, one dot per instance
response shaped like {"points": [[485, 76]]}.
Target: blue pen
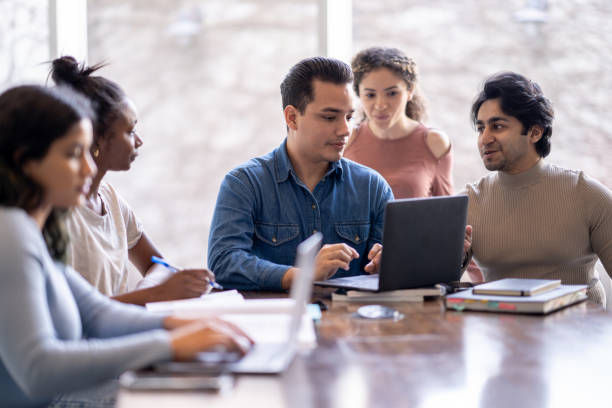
{"points": [[160, 261]]}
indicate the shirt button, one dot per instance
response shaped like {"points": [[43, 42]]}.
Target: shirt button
{"points": [[274, 239], [357, 238], [314, 206]]}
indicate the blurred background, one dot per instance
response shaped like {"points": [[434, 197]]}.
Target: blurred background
{"points": [[205, 76]]}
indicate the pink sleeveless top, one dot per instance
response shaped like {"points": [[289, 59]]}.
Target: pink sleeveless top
{"points": [[407, 164]]}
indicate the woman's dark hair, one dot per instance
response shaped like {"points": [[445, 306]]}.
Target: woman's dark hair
{"points": [[106, 96], [523, 99], [31, 119], [297, 89], [396, 61]]}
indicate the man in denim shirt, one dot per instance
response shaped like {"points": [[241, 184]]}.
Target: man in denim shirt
{"points": [[270, 204]]}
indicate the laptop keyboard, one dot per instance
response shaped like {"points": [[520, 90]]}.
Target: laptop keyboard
{"points": [[364, 281], [263, 356]]}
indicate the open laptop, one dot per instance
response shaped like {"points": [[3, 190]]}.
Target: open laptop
{"points": [[266, 357], [422, 245]]}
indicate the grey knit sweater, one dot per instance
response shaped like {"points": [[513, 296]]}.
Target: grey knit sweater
{"points": [[548, 222]]}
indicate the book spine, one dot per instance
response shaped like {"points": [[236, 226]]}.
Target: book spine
{"points": [[480, 304], [364, 299], [395, 294]]}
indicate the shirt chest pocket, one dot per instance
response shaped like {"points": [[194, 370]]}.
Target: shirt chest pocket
{"points": [[276, 234], [355, 234]]}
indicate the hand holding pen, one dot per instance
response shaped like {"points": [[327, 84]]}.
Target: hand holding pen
{"points": [[209, 276]]}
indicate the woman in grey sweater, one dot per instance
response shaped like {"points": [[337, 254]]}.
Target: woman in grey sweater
{"points": [[58, 334]]}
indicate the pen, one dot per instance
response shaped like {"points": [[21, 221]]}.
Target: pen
{"points": [[160, 261]]}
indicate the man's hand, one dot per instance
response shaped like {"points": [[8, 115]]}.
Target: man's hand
{"points": [[329, 259], [374, 256], [467, 241], [333, 257]]}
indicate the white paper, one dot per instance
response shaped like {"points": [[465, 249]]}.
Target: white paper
{"points": [[216, 299]]}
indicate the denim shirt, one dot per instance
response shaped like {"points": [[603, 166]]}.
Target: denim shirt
{"points": [[264, 211]]}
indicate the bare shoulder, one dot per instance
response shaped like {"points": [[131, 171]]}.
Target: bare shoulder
{"points": [[438, 142]]}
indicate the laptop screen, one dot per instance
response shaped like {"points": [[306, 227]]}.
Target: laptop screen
{"points": [[301, 288]]}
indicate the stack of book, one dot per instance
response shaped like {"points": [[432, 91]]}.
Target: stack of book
{"points": [[538, 296], [402, 295]]}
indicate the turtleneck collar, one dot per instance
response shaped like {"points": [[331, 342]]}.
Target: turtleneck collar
{"points": [[524, 179]]}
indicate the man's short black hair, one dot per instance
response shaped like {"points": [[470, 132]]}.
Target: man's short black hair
{"points": [[297, 88], [523, 99]]}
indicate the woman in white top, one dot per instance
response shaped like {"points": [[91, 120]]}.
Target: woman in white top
{"points": [[105, 232]]}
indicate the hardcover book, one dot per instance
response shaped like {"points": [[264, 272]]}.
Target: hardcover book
{"points": [[543, 303], [401, 295]]}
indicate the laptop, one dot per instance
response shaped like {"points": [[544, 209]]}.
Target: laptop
{"points": [[268, 357], [422, 246]]}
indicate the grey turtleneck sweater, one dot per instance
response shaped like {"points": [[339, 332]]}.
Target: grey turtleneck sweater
{"points": [[548, 222]]}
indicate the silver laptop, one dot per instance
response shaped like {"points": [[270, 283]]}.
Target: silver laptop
{"points": [[272, 358], [266, 358], [422, 245]]}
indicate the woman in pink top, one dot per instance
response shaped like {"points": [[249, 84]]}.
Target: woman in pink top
{"points": [[415, 160]]}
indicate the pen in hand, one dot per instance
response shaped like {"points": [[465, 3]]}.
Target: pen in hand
{"points": [[160, 261]]}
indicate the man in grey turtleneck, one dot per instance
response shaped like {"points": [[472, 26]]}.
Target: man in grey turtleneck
{"points": [[531, 219]]}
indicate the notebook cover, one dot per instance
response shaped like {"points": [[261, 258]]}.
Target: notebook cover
{"points": [[516, 287]]}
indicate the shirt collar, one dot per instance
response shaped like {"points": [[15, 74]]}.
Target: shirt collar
{"points": [[284, 167], [282, 164], [335, 168]]}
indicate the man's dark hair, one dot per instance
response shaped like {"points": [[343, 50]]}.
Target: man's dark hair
{"points": [[523, 99], [297, 89]]}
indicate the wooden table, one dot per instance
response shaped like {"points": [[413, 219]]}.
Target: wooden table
{"points": [[432, 358]]}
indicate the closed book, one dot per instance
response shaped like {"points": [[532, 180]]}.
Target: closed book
{"points": [[426, 291], [516, 287], [374, 297], [543, 303]]}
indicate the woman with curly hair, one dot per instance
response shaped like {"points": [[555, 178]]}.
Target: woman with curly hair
{"points": [[415, 160]]}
